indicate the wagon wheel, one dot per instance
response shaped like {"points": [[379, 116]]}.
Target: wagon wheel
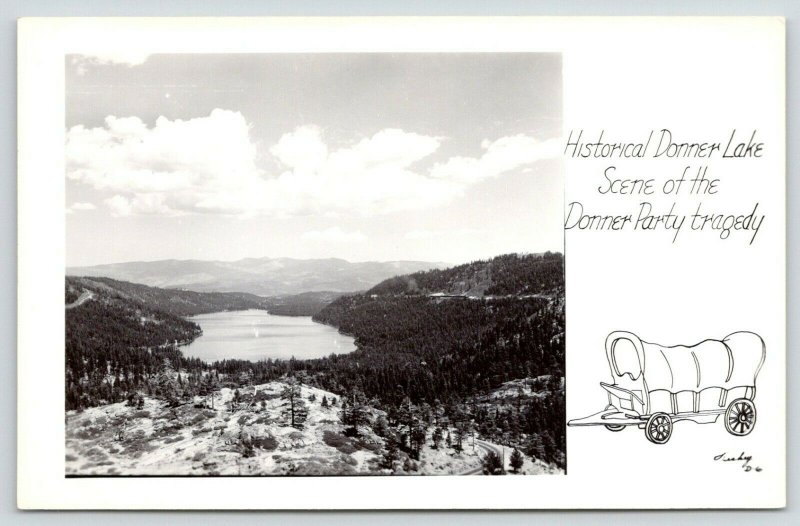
{"points": [[658, 428], [613, 427], [740, 417]]}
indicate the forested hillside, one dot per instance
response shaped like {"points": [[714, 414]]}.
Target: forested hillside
{"points": [[428, 349], [172, 301], [414, 343], [119, 334], [510, 274], [114, 340], [432, 362], [303, 304]]}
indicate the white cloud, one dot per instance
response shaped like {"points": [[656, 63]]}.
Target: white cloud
{"points": [[334, 235], [500, 156], [301, 149], [208, 165], [140, 204], [126, 57], [82, 206], [120, 206], [175, 165]]}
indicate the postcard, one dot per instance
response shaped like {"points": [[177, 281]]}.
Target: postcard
{"points": [[401, 263]]}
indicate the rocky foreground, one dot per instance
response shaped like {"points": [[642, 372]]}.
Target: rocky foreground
{"points": [[246, 433]]}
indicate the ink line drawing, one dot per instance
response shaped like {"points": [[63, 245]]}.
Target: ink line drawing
{"points": [[656, 386]]}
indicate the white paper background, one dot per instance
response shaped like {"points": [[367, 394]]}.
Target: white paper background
{"points": [[704, 76]]}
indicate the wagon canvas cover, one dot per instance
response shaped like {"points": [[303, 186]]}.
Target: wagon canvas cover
{"points": [[732, 362]]}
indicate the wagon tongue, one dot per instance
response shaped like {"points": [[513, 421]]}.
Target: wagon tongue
{"points": [[610, 416]]}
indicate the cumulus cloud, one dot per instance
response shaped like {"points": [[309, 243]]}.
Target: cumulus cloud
{"points": [[140, 204], [126, 57], [119, 206], [500, 156], [81, 206], [209, 165], [302, 149], [175, 166], [334, 235]]}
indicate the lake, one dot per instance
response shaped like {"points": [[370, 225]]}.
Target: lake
{"points": [[256, 335]]}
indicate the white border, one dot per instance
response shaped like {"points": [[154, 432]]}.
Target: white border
{"points": [[42, 45]]}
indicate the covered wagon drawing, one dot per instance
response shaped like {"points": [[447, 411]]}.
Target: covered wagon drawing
{"points": [[655, 386]]}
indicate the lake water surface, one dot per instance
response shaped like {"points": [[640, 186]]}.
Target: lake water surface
{"points": [[256, 335]]}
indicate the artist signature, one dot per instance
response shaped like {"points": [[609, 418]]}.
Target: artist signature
{"points": [[743, 459]]}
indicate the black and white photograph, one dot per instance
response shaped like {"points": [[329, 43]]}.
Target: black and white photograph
{"points": [[314, 264], [327, 263]]}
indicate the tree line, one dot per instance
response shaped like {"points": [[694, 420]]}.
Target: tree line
{"points": [[426, 361]]}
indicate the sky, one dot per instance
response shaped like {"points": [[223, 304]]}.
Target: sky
{"points": [[444, 157]]}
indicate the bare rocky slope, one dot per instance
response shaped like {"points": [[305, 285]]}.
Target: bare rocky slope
{"points": [[247, 433]]}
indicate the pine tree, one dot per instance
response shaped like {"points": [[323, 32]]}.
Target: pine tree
{"points": [[381, 426], [391, 454], [516, 460], [437, 437], [354, 413], [324, 402], [165, 383], [493, 464], [535, 447], [417, 436], [549, 444], [294, 407], [406, 419], [237, 398], [457, 440], [408, 465]]}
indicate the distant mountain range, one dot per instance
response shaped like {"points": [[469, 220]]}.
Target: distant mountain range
{"points": [[261, 276]]}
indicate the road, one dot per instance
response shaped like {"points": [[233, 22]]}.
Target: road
{"points": [[83, 298], [486, 447]]}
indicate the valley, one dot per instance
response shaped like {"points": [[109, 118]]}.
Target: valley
{"points": [[445, 360]]}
